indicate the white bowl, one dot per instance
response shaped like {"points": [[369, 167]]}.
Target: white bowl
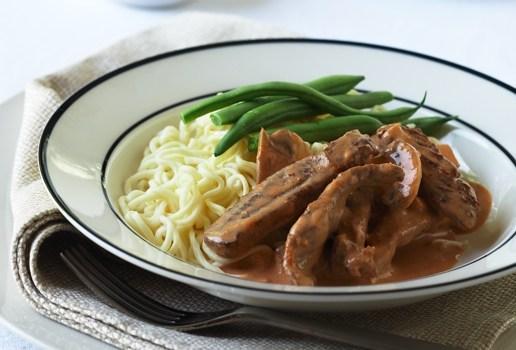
{"points": [[95, 140], [150, 3]]}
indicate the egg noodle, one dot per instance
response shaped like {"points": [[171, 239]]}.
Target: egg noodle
{"points": [[180, 188]]}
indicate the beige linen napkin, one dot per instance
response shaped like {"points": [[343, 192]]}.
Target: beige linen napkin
{"points": [[472, 318]]}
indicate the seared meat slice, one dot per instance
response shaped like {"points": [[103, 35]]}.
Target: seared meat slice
{"points": [[282, 197], [360, 205], [349, 242], [348, 259], [278, 150], [397, 228], [321, 218], [441, 182]]}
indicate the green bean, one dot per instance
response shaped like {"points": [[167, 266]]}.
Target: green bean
{"points": [[289, 109], [253, 140], [398, 114], [365, 100], [331, 85], [305, 93], [231, 114], [294, 107], [429, 125], [324, 130]]}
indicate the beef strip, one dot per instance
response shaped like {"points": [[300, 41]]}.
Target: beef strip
{"points": [[321, 218], [278, 150], [349, 243], [397, 228], [441, 182], [350, 260], [282, 197], [360, 205]]}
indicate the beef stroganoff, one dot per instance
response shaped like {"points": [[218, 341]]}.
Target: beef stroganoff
{"points": [[282, 183]]}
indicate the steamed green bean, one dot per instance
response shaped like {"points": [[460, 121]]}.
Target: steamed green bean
{"points": [[290, 109], [305, 93], [429, 125], [330, 85]]}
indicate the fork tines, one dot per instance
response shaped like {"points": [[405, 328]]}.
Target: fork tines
{"points": [[108, 286]]}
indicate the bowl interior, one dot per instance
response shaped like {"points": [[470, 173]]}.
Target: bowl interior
{"points": [[471, 148], [83, 134]]}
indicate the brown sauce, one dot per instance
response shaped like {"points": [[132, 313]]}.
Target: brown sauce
{"points": [[417, 259], [434, 251], [262, 266], [447, 152], [423, 258], [485, 200]]}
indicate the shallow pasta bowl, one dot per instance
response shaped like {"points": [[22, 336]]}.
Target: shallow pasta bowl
{"points": [[96, 138]]}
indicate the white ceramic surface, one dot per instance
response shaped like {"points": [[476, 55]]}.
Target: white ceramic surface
{"points": [[150, 3], [15, 313], [83, 131]]}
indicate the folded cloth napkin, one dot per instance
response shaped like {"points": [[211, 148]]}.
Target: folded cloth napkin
{"points": [[473, 318]]}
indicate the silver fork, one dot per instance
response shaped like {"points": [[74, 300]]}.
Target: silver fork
{"points": [[105, 284]]}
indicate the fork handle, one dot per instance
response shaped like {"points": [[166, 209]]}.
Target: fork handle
{"points": [[351, 335]]}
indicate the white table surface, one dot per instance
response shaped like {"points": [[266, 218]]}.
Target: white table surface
{"points": [[41, 36]]}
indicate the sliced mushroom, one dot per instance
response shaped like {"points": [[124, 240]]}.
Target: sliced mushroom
{"points": [[278, 150], [441, 182], [407, 157], [447, 152]]}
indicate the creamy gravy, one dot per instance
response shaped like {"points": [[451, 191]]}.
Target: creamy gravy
{"points": [[428, 254]]}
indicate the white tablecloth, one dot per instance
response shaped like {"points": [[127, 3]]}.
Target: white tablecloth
{"points": [[40, 36]]}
